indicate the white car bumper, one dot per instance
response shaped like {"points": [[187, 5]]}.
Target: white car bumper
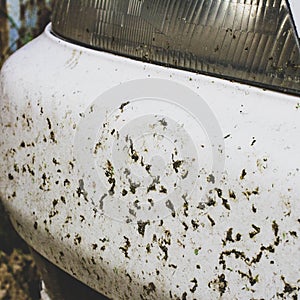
{"points": [[216, 217]]}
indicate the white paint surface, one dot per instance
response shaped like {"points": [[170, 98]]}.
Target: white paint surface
{"points": [[235, 238]]}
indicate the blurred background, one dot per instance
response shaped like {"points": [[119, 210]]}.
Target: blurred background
{"points": [[20, 22]]}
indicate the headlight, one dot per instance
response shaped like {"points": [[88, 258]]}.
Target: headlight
{"points": [[248, 41]]}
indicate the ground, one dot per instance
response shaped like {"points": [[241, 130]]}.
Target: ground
{"points": [[19, 279]]}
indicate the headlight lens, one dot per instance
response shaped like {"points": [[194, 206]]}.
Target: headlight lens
{"points": [[252, 41]]}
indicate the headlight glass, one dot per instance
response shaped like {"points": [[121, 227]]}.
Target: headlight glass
{"points": [[251, 41]]}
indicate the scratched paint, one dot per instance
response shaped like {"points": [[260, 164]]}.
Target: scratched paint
{"points": [[240, 240]]}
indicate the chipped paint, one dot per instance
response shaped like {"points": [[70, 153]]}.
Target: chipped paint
{"points": [[234, 236]]}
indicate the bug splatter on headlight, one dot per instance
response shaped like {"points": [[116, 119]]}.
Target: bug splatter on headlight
{"points": [[254, 42]]}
